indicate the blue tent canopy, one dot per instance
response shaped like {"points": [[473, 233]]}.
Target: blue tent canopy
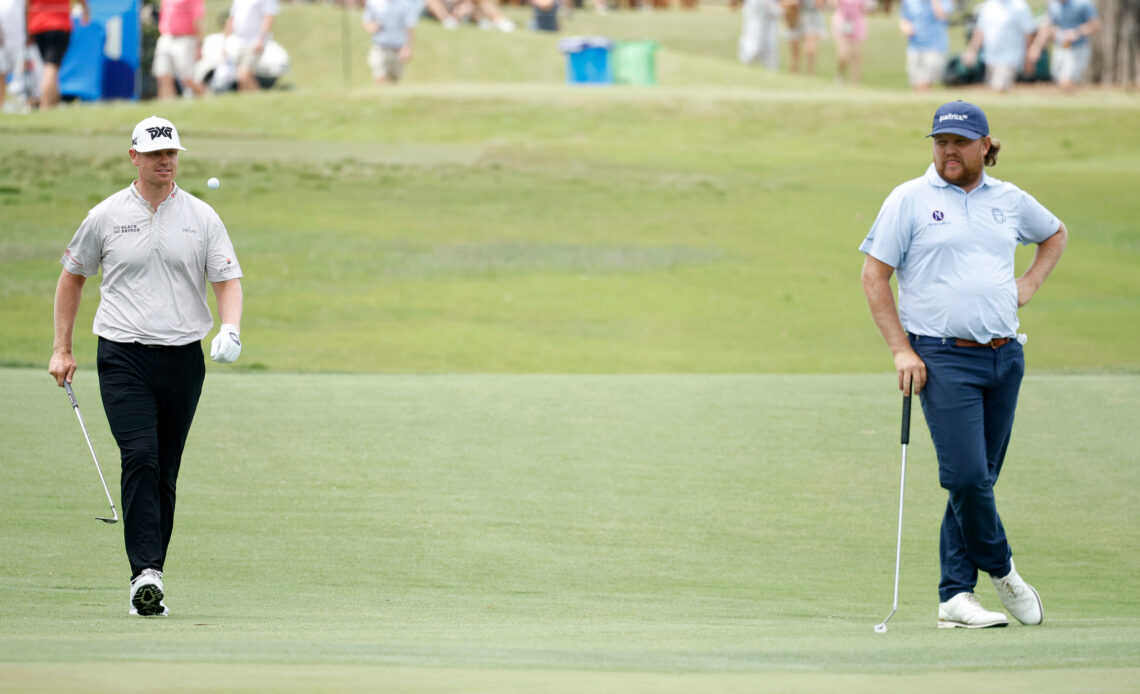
{"points": [[102, 60]]}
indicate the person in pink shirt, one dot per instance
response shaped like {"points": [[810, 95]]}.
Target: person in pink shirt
{"points": [[849, 29], [179, 46]]}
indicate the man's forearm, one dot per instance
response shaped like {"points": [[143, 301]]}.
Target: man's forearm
{"points": [[1046, 257], [229, 296], [68, 292], [881, 301]]}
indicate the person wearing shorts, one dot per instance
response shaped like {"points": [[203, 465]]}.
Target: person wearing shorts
{"points": [[1001, 37], [952, 235], [156, 247], [178, 47], [49, 25], [925, 24], [248, 28], [1071, 22], [392, 24], [805, 27]]}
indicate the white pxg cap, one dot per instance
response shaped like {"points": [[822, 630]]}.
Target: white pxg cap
{"points": [[154, 134]]}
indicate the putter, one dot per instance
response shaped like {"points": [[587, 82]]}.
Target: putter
{"points": [[114, 514], [881, 627]]}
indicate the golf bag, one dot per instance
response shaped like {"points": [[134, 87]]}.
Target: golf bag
{"points": [[958, 73]]}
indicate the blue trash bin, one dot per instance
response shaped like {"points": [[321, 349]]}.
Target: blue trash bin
{"points": [[587, 59]]}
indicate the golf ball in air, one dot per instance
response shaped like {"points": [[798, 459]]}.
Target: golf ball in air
{"points": [[213, 184]]}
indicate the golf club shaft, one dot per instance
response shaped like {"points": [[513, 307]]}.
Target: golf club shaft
{"points": [[898, 544], [905, 438], [79, 416]]}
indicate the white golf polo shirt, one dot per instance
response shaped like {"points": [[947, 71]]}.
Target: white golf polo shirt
{"points": [[247, 16], [155, 266], [954, 251]]}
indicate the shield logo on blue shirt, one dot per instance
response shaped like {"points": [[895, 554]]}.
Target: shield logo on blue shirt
{"points": [[999, 216]]}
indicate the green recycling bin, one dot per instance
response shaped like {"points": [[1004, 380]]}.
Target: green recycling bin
{"points": [[634, 62]]}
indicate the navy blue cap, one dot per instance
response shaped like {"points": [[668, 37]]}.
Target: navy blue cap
{"points": [[960, 118]]}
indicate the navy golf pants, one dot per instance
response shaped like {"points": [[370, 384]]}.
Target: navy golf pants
{"points": [[969, 402], [150, 395]]}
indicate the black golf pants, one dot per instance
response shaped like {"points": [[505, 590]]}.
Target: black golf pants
{"points": [[149, 395]]}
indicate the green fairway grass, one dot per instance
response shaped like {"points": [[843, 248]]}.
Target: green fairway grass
{"points": [[522, 225], [562, 533], [555, 230], [560, 389]]}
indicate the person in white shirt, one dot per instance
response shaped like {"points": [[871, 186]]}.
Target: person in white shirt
{"points": [[157, 246], [759, 42], [1001, 38], [248, 29], [12, 39]]}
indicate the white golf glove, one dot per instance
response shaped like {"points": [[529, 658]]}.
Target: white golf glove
{"points": [[226, 347]]}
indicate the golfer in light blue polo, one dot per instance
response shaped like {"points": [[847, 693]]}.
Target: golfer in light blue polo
{"points": [[950, 235]]}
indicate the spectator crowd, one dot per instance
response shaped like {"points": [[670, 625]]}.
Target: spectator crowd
{"points": [[1005, 41]]}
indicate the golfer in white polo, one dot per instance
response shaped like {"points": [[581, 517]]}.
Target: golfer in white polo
{"points": [[157, 246]]}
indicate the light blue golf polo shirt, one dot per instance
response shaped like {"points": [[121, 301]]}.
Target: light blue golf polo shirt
{"points": [[930, 33], [395, 17], [1070, 14], [953, 253]]}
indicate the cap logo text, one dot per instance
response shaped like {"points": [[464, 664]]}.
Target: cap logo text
{"points": [[160, 131], [953, 116]]}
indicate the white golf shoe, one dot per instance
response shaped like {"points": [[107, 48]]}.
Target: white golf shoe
{"points": [[1020, 598], [164, 613], [963, 610], [147, 596]]}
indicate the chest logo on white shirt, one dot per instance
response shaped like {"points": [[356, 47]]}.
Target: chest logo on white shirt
{"points": [[127, 229], [999, 216], [189, 230], [938, 215]]}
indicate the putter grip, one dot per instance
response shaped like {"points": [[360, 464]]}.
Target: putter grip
{"points": [[70, 394], [906, 419]]}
